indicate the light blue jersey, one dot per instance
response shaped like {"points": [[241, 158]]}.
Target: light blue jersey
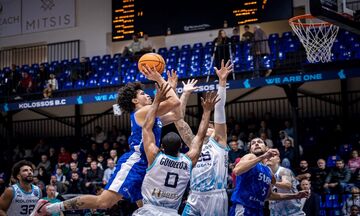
{"points": [[252, 187], [211, 170], [23, 203]]}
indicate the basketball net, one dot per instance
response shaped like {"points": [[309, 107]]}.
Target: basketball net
{"points": [[316, 36]]}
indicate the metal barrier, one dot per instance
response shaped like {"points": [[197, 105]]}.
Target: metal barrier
{"points": [[318, 106], [40, 53]]}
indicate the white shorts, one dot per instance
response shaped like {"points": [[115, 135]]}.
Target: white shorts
{"points": [[152, 210], [206, 203]]}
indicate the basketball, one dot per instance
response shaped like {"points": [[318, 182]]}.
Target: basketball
{"points": [[152, 60]]}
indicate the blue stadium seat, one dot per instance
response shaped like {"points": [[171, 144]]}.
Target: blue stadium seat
{"points": [[79, 84], [108, 73], [67, 85], [117, 56], [185, 47], [104, 81], [54, 63], [174, 48], [286, 35], [106, 57], [209, 43], [115, 80], [356, 51], [127, 79], [197, 46], [75, 61], [95, 59], [163, 51], [25, 67], [141, 77], [92, 82]]}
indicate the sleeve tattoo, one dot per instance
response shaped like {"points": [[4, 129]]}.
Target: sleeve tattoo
{"points": [[73, 204], [185, 131]]}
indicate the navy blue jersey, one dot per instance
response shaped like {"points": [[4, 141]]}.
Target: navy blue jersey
{"points": [[252, 187], [135, 138]]}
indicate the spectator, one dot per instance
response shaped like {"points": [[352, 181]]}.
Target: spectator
{"points": [[222, 52], [354, 210], [113, 134], [11, 80], [344, 151], [133, 48], [53, 158], [350, 201], [261, 49], [337, 181], [64, 156], [60, 186], [25, 84], [101, 163], [269, 142], [113, 155], [354, 162], [356, 178], [288, 128], [235, 38], [106, 150], [43, 175], [247, 36], [76, 185], [93, 177], [75, 159], [41, 148], [60, 177], [94, 151], [47, 92], [265, 129], [234, 153], [109, 171], [284, 136], [99, 135], [54, 83], [146, 44], [304, 171], [73, 168], [311, 205], [51, 197], [42, 76], [287, 154], [318, 176], [45, 163]]}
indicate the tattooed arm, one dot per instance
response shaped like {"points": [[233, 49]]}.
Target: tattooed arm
{"points": [[285, 182]]}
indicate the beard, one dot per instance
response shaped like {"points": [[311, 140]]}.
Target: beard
{"points": [[28, 179], [258, 153]]}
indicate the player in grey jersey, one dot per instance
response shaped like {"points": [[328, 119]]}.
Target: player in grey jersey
{"points": [[209, 178], [20, 198], [285, 183], [169, 171]]}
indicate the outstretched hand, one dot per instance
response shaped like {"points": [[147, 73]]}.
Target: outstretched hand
{"points": [[161, 92], [303, 194], [189, 86], [211, 98], [224, 71], [172, 78]]}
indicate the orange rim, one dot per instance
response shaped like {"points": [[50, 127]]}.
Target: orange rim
{"points": [[294, 21]]}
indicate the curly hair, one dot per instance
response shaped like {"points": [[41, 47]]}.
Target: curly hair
{"points": [[16, 168], [126, 94]]}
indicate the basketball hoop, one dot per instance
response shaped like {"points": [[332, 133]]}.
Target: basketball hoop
{"points": [[316, 36]]}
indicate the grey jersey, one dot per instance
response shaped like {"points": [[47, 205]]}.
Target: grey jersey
{"points": [[23, 203], [286, 207], [166, 180]]}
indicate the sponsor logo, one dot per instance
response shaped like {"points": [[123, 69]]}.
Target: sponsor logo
{"points": [[37, 104], [341, 74], [159, 193], [47, 4], [79, 100]]}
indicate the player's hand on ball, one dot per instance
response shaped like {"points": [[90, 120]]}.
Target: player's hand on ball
{"points": [[172, 79], [211, 98], [161, 92], [151, 73], [189, 86]]}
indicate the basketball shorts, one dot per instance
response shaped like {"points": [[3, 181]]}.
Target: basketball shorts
{"points": [[239, 210], [128, 176], [152, 210], [207, 203]]}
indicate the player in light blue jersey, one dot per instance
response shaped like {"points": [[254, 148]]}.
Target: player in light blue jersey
{"points": [[169, 171], [254, 182], [208, 182], [285, 183], [20, 198], [131, 167]]}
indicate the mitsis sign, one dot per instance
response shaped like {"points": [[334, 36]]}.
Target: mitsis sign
{"points": [[43, 15]]}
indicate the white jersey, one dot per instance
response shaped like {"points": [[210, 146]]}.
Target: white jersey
{"points": [[23, 203], [211, 170], [286, 207], [166, 180]]}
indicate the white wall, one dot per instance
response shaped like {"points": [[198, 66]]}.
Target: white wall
{"points": [[93, 21]]}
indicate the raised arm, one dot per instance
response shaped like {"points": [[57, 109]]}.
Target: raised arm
{"points": [[219, 114], [288, 196], [165, 106], [250, 160], [151, 150], [208, 105], [285, 182], [183, 128]]}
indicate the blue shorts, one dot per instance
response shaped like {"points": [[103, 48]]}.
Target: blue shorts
{"points": [[128, 176], [238, 209]]}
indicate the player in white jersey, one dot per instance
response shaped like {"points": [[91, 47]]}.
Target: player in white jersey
{"points": [[209, 177], [285, 183], [20, 198], [169, 171]]}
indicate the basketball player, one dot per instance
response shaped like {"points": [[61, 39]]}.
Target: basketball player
{"points": [[20, 198], [285, 183], [209, 177], [131, 167], [254, 181], [169, 171]]}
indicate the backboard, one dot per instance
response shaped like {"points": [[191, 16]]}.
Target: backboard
{"points": [[344, 13]]}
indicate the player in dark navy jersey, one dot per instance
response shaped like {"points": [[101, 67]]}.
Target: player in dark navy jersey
{"points": [[254, 181]]}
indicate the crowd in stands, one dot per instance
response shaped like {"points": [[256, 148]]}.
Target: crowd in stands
{"points": [[329, 161]]}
